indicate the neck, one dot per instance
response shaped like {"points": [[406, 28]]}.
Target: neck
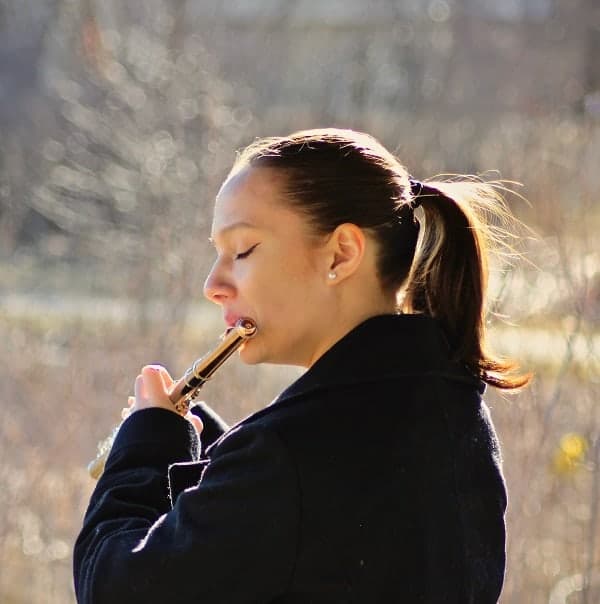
{"points": [[347, 317]]}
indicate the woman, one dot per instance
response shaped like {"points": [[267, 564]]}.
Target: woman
{"points": [[376, 476]]}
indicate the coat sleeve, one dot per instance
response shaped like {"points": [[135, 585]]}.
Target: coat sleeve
{"points": [[229, 539]]}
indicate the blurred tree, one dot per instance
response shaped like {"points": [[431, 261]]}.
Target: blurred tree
{"points": [[23, 29], [592, 57], [145, 119]]}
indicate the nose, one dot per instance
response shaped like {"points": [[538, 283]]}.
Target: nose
{"points": [[217, 288]]}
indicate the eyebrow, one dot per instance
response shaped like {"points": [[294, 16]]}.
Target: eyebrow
{"points": [[232, 227]]}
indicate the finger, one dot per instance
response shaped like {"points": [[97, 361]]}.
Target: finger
{"points": [[130, 400], [195, 421], [139, 389], [154, 384], [166, 377]]}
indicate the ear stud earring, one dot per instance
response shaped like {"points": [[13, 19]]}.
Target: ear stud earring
{"points": [[331, 275]]}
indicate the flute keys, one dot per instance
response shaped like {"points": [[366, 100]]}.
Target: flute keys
{"points": [[182, 406]]}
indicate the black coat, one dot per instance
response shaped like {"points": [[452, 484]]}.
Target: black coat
{"points": [[375, 477]]}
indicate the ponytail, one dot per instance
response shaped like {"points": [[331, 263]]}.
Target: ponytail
{"points": [[448, 277]]}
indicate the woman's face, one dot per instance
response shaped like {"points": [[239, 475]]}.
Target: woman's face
{"points": [[270, 268]]}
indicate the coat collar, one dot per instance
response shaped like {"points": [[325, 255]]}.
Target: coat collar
{"points": [[381, 347]]}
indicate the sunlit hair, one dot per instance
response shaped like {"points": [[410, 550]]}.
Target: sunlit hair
{"points": [[335, 176]]}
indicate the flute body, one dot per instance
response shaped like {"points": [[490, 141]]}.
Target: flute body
{"points": [[186, 388]]}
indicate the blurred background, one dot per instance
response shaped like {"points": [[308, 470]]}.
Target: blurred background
{"points": [[119, 120]]}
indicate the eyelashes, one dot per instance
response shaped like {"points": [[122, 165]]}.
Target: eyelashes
{"points": [[245, 254]]}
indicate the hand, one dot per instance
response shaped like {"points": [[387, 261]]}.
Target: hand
{"points": [[152, 389]]}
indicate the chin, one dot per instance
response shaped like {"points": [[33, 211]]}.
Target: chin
{"points": [[253, 354], [250, 355]]}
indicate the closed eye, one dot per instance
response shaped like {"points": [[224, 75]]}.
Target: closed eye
{"points": [[245, 254]]}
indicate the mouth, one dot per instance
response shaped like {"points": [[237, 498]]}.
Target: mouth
{"points": [[230, 320], [243, 326]]}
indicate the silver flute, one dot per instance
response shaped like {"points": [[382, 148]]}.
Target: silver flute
{"points": [[186, 388]]}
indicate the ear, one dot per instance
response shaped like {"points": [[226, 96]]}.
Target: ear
{"points": [[346, 247]]}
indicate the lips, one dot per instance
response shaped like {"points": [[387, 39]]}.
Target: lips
{"points": [[231, 319]]}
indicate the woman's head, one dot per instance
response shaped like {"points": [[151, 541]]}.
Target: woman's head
{"points": [[336, 203], [332, 177], [304, 289]]}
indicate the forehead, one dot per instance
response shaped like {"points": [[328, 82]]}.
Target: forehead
{"points": [[253, 196]]}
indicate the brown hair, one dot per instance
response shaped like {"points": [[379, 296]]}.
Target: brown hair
{"points": [[335, 176]]}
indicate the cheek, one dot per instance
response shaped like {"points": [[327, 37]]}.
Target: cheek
{"points": [[280, 290], [299, 285], [283, 281]]}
